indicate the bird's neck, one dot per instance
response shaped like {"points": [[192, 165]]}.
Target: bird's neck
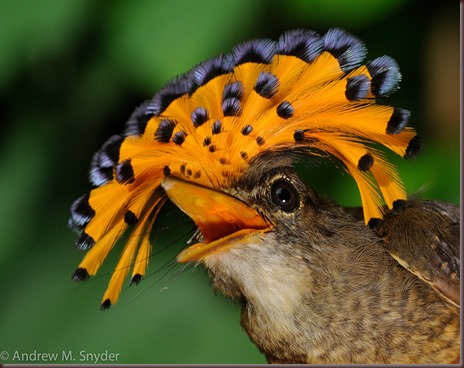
{"points": [[322, 297]]}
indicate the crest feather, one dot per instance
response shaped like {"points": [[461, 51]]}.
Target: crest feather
{"points": [[303, 91]]}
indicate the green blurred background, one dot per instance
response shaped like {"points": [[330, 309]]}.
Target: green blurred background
{"points": [[71, 72]]}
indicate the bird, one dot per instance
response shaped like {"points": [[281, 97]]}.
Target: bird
{"points": [[317, 283]]}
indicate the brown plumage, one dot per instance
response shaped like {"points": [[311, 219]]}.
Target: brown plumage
{"points": [[323, 288], [315, 283]]}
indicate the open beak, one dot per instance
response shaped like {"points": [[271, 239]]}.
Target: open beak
{"points": [[222, 219]]}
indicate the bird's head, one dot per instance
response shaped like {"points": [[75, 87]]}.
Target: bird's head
{"points": [[220, 141]]}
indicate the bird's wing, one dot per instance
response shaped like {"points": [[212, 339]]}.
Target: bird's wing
{"points": [[424, 237]]}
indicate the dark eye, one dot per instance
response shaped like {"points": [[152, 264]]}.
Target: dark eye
{"points": [[285, 196]]}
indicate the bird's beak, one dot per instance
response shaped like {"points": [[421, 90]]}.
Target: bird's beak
{"points": [[222, 219]]}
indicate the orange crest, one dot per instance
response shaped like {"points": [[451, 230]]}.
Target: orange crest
{"points": [[303, 91]]}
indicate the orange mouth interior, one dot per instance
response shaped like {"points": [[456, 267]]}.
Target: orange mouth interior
{"points": [[222, 219]]}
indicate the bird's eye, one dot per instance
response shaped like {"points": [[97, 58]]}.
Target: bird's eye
{"points": [[284, 195]]}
